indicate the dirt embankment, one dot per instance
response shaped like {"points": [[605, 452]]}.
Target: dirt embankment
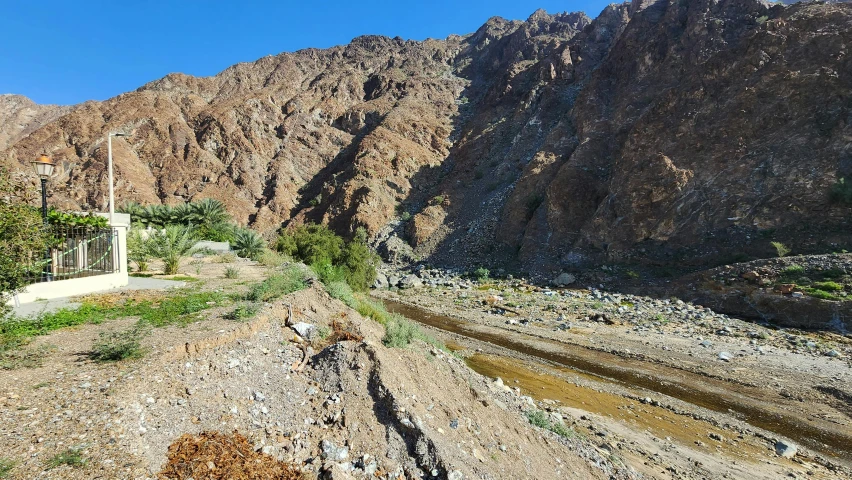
{"points": [[357, 409]]}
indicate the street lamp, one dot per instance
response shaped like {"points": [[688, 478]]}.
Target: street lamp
{"points": [[43, 167], [109, 169]]}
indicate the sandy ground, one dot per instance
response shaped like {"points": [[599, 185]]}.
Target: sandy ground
{"points": [[356, 410], [670, 404]]}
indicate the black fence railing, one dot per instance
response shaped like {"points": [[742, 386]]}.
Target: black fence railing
{"points": [[76, 252]]}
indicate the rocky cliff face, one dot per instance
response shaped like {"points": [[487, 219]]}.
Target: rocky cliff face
{"points": [[20, 116], [667, 132]]}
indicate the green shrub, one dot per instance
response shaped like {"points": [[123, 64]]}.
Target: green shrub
{"points": [[226, 258], [23, 236], [841, 192], [243, 311], [115, 346], [71, 457], [481, 273], [399, 332], [288, 281], [540, 419], [793, 271], [437, 200], [272, 259], [249, 244], [343, 292], [232, 272], [828, 286], [833, 273], [781, 249], [330, 256], [405, 216]]}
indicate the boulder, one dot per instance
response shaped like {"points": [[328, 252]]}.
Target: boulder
{"points": [[305, 330], [381, 281], [785, 449], [410, 281], [564, 279]]}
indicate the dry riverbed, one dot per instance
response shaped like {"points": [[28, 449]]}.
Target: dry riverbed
{"points": [[676, 390]]}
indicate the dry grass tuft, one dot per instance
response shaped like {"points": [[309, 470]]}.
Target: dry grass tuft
{"points": [[219, 456]]}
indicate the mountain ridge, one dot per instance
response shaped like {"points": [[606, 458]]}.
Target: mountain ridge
{"points": [[548, 144]]}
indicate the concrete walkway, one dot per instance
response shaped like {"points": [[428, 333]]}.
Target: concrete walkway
{"points": [[136, 283]]}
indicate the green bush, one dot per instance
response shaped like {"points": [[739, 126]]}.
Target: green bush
{"points": [[793, 271], [23, 237], [115, 346], [343, 292], [330, 256], [405, 216], [243, 311], [232, 272], [399, 332], [841, 192], [288, 281], [272, 259], [249, 244], [481, 273], [541, 420]]}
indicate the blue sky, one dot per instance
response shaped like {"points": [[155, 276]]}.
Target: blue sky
{"points": [[66, 52]]}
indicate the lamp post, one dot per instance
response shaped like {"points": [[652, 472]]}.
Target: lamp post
{"points": [[109, 170], [43, 167]]}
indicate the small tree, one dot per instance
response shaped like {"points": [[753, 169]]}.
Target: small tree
{"points": [[22, 236], [248, 244], [138, 249], [171, 245], [781, 249]]}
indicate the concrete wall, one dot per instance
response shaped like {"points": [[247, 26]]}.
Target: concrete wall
{"points": [[85, 285]]}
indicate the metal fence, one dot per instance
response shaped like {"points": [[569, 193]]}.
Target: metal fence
{"points": [[76, 252]]}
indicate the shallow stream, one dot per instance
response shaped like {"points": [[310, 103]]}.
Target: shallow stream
{"points": [[745, 403]]}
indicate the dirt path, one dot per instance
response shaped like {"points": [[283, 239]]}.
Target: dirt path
{"points": [[769, 389]]}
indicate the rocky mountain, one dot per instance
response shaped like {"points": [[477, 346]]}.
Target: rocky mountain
{"points": [[20, 116], [668, 132]]}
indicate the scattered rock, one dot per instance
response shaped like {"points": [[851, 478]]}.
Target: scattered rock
{"points": [[564, 279], [786, 450], [304, 330]]}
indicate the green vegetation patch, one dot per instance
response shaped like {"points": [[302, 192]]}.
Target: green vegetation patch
{"points": [[120, 345], [71, 457], [330, 255], [540, 419], [6, 466], [178, 308], [828, 286], [279, 284], [243, 311]]}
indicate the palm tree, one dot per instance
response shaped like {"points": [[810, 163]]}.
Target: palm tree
{"points": [[172, 244], [208, 212], [134, 209], [248, 244]]}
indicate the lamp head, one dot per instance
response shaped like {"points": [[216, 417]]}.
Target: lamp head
{"points": [[43, 166]]}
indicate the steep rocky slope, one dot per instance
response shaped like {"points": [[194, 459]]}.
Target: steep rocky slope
{"points": [[667, 132], [20, 116]]}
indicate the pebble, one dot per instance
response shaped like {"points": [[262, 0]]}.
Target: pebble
{"points": [[725, 356]]}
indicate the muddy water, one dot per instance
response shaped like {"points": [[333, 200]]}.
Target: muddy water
{"points": [[746, 403], [552, 383]]}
